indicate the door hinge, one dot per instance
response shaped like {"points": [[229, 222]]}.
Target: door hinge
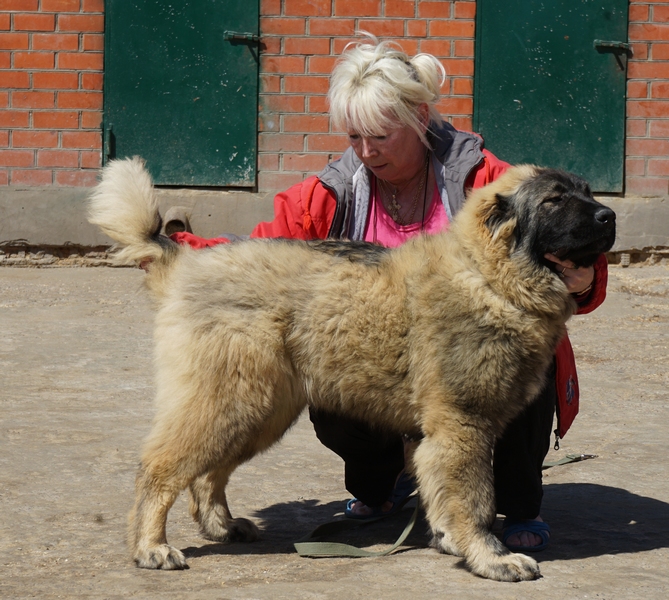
{"points": [[107, 144]]}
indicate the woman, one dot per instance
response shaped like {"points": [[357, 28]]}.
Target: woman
{"points": [[407, 172]]}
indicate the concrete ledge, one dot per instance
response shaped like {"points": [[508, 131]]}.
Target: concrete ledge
{"points": [[56, 217]]}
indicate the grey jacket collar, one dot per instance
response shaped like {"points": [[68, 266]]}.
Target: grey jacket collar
{"points": [[454, 156]]}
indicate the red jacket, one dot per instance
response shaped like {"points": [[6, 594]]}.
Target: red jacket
{"points": [[305, 211]]}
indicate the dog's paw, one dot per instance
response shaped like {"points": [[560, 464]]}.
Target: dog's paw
{"points": [[509, 567], [161, 557], [238, 530]]}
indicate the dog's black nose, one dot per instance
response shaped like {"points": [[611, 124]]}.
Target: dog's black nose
{"points": [[605, 215]]}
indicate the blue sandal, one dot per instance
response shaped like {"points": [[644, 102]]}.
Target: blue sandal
{"points": [[515, 526], [400, 495]]}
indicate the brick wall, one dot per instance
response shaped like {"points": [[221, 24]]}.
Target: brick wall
{"points": [[50, 91], [647, 151], [301, 40]]}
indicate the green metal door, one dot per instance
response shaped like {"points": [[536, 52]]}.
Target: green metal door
{"points": [[181, 89], [550, 84]]}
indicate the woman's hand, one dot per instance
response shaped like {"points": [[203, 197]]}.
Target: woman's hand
{"points": [[578, 280]]}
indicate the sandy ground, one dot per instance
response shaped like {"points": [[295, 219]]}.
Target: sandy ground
{"points": [[76, 401]]}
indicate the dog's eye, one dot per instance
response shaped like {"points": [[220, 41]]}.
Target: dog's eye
{"points": [[554, 199]]}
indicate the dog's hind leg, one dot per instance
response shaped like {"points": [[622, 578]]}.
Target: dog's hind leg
{"points": [[454, 471]]}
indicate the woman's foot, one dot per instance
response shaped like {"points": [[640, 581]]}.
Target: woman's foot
{"points": [[404, 487], [526, 535]]}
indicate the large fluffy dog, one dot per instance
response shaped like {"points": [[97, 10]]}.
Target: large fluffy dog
{"points": [[447, 336]]}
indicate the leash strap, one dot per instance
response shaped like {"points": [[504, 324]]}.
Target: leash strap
{"points": [[570, 458]]}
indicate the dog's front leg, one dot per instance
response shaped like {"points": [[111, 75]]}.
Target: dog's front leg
{"points": [[454, 470]]}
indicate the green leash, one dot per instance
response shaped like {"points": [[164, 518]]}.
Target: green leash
{"points": [[308, 546]]}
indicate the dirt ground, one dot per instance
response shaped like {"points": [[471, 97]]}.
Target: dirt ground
{"points": [[76, 401]]}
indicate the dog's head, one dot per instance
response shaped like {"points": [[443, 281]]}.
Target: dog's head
{"points": [[553, 212]]}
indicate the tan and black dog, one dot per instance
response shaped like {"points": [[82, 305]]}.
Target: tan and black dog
{"points": [[447, 336]]}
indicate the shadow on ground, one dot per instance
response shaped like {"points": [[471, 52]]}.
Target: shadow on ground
{"points": [[587, 520]]}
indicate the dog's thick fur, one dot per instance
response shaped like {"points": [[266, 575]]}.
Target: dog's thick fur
{"points": [[447, 336]]}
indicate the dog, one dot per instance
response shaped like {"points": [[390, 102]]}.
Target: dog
{"points": [[446, 337]]}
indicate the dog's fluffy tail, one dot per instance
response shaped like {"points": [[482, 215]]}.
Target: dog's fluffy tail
{"points": [[124, 206]]}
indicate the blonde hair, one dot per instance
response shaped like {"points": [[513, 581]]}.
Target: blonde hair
{"points": [[376, 85]]}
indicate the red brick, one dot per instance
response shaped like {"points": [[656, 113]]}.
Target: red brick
{"points": [[14, 41], [435, 10], [60, 6], [639, 12], [659, 89], [647, 109], [282, 64], [4, 177], [335, 143], [647, 186], [17, 158], [58, 119], [12, 119], [462, 123], [660, 51], [455, 66], [32, 177], [55, 41], [33, 99], [417, 28], [648, 32], [5, 22], [457, 106], [283, 103], [91, 119], [93, 6], [4, 139], [270, 84], [310, 163], [306, 84], [4, 98], [463, 86], [658, 167], [463, 29], [39, 22], [79, 100], [277, 142], [400, 8], [278, 26], [57, 158], [659, 129], [22, 5], [34, 60], [318, 104], [357, 8], [640, 51], [465, 10], [660, 14], [269, 181], [34, 139], [268, 122], [383, 27], [268, 162], [636, 127], [93, 41], [321, 64], [438, 48], [81, 23], [306, 45], [270, 7], [5, 60], [637, 89], [635, 166], [270, 45], [648, 70], [91, 81], [91, 160], [464, 48], [331, 26], [76, 178], [647, 147], [55, 80], [306, 123], [89, 140], [16, 79], [80, 61], [307, 8]]}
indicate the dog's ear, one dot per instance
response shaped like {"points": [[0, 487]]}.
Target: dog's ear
{"points": [[501, 212]]}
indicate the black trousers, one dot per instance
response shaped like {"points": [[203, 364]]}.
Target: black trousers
{"points": [[372, 459]]}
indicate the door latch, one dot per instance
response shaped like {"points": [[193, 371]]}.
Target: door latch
{"points": [[236, 36], [616, 48]]}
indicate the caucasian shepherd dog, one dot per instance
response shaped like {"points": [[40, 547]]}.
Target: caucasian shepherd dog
{"points": [[447, 336]]}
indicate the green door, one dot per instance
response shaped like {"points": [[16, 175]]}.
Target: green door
{"points": [[550, 84], [181, 89]]}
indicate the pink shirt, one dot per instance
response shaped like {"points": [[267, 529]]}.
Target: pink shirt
{"points": [[382, 229]]}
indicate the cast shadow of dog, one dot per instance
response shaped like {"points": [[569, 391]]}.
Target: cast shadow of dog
{"points": [[587, 520]]}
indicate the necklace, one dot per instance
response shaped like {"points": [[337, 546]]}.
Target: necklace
{"points": [[394, 207]]}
